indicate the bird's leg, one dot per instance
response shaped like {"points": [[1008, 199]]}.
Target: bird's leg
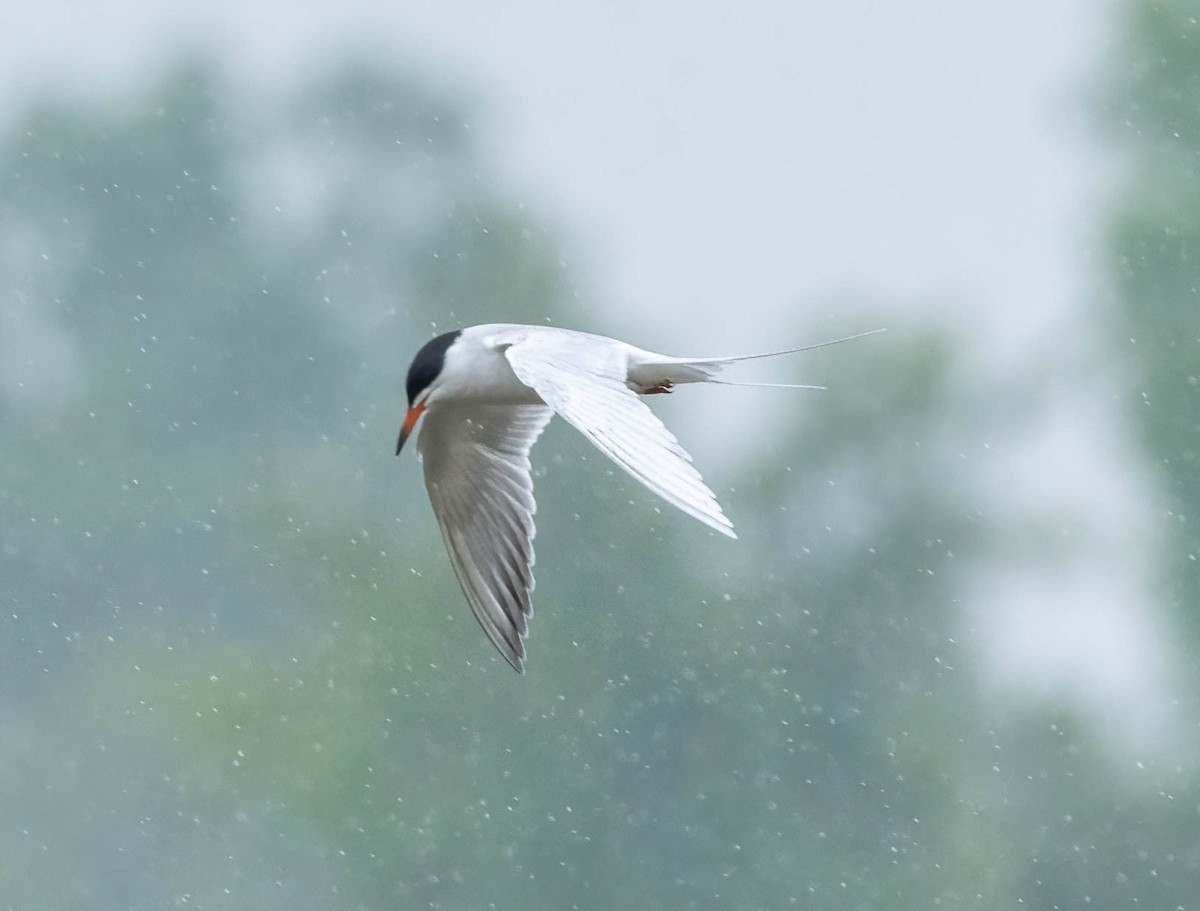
{"points": [[663, 387]]}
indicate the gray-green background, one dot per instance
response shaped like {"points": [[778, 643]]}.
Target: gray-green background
{"points": [[951, 661]]}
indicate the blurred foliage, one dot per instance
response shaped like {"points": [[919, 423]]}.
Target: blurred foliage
{"points": [[1155, 239], [236, 669]]}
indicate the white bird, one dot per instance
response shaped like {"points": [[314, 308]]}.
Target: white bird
{"points": [[487, 393]]}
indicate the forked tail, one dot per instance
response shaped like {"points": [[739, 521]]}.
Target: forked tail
{"points": [[677, 370], [753, 357]]}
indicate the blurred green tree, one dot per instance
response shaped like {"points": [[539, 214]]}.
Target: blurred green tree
{"points": [[1154, 237], [230, 293]]}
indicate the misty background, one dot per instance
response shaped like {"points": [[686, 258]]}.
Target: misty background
{"points": [[950, 660]]}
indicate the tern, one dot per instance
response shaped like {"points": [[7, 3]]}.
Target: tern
{"points": [[487, 392]]}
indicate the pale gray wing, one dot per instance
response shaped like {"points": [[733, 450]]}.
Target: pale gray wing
{"points": [[583, 379], [476, 462]]}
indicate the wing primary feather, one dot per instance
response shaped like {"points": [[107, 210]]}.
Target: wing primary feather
{"points": [[695, 499], [487, 622], [477, 472], [504, 636], [589, 390]]}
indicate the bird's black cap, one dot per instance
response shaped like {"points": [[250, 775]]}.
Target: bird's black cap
{"points": [[428, 363]]}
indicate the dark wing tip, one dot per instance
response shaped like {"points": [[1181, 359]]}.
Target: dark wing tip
{"points": [[514, 656]]}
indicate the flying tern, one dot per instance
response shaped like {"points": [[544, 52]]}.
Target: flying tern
{"points": [[487, 392]]}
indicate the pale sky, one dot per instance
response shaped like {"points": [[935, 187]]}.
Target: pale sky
{"points": [[704, 156]]}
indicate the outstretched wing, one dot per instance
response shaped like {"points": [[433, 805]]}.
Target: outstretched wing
{"points": [[584, 380], [476, 462]]}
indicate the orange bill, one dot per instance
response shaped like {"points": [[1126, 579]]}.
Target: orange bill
{"points": [[410, 421]]}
